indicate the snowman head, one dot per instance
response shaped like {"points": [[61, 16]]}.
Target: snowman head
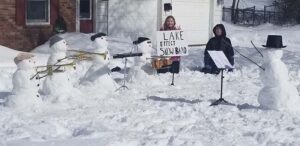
{"points": [[99, 40], [24, 61], [144, 44], [272, 54], [58, 44]]}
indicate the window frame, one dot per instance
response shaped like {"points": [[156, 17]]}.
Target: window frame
{"points": [[38, 22], [91, 15]]}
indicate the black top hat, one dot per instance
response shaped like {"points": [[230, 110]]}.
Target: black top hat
{"points": [[140, 40], [274, 41], [93, 37]]}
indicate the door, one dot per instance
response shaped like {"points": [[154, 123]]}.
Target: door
{"points": [[86, 16]]}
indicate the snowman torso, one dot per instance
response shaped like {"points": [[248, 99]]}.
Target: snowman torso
{"points": [[99, 70], [277, 93], [146, 49], [275, 70], [58, 83]]}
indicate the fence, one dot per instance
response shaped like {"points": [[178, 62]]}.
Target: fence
{"points": [[251, 16]]}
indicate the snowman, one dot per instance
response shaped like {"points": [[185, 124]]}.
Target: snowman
{"points": [[142, 64], [277, 93], [57, 85], [25, 89], [99, 72]]}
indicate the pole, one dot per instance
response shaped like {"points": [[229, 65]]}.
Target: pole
{"points": [[221, 99], [124, 77], [172, 79], [222, 77]]}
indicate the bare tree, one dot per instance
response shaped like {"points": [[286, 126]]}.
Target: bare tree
{"points": [[234, 10]]}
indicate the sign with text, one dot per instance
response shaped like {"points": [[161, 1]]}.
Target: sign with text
{"points": [[171, 43]]}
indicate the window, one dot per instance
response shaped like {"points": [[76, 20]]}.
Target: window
{"points": [[38, 12], [85, 9]]}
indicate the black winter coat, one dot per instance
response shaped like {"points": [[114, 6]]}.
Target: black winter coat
{"points": [[218, 43]]}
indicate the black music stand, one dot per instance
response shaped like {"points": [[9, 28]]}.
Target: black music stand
{"points": [[125, 56], [222, 63]]}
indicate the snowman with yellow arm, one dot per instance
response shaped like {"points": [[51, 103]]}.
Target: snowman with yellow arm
{"points": [[99, 72], [57, 85]]}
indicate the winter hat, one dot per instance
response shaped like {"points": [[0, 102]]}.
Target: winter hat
{"points": [[222, 27], [140, 40], [22, 56], [274, 41], [54, 40], [93, 37]]}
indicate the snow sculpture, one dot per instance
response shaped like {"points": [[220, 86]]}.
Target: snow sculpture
{"points": [[57, 84], [25, 90], [278, 93], [142, 64], [99, 71]]}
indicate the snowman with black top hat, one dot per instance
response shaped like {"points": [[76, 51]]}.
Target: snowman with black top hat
{"points": [[277, 93], [142, 64]]}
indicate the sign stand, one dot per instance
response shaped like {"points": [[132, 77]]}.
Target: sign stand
{"points": [[173, 80], [222, 63]]}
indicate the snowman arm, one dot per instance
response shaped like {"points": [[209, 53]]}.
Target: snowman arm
{"points": [[93, 53]]}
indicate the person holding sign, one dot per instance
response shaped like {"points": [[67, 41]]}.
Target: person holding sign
{"points": [[170, 24], [218, 43]]}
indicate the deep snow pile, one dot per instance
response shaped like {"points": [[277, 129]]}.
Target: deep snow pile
{"points": [[152, 112]]}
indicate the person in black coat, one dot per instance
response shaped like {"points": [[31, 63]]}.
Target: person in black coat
{"points": [[218, 43]]}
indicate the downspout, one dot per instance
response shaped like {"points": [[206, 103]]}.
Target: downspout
{"points": [[95, 11], [159, 13], [211, 17], [77, 16]]}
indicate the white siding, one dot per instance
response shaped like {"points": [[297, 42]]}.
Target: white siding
{"points": [[133, 18], [129, 18], [193, 17]]}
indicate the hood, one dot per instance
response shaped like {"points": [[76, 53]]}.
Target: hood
{"points": [[222, 28]]}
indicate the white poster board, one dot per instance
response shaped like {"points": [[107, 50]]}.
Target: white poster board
{"points": [[171, 43], [220, 59]]}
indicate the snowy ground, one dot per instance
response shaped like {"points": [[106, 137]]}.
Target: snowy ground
{"points": [[152, 112]]}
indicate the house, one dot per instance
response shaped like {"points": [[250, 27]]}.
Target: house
{"points": [[25, 24]]}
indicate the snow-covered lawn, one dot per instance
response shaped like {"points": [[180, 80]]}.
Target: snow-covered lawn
{"points": [[152, 112]]}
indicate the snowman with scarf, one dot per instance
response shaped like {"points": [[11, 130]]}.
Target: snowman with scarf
{"points": [[99, 73], [57, 86]]}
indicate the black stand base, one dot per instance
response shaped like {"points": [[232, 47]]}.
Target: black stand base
{"points": [[219, 101], [122, 87]]}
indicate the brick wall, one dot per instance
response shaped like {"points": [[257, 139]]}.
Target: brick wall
{"points": [[25, 38]]}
